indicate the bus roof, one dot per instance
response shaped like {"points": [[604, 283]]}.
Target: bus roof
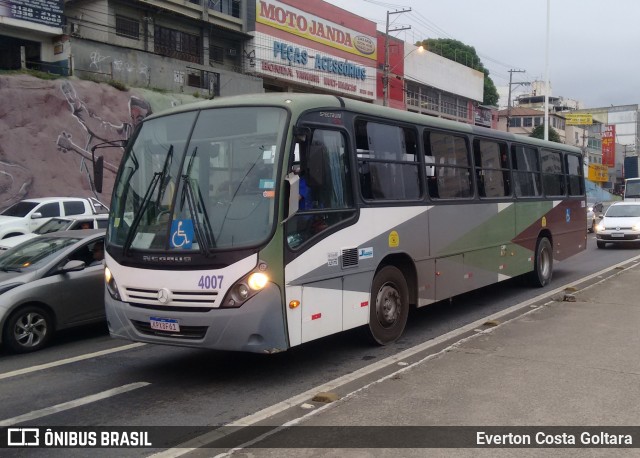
{"points": [[300, 102]]}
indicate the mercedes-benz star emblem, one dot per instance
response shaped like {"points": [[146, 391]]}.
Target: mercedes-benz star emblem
{"points": [[163, 295]]}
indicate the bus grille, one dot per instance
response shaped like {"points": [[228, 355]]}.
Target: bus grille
{"points": [[349, 257], [186, 332], [180, 298]]}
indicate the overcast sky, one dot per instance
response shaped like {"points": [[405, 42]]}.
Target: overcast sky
{"points": [[594, 47]]}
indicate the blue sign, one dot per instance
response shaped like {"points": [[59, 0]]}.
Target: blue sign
{"points": [[182, 234], [568, 217]]}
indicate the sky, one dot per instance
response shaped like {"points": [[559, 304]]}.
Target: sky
{"points": [[594, 45]]}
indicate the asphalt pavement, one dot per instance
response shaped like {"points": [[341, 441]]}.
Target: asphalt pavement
{"points": [[569, 365]]}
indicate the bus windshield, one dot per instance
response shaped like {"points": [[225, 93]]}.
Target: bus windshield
{"points": [[199, 181], [632, 188]]}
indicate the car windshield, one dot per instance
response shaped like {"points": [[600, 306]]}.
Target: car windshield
{"points": [[622, 211], [53, 225], [33, 253], [19, 210], [199, 181]]}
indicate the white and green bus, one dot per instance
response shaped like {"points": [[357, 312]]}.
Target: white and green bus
{"points": [[261, 222]]}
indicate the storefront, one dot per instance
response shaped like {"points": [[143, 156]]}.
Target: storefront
{"points": [[297, 50]]}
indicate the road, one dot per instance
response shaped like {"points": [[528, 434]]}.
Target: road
{"points": [[115, 383]]}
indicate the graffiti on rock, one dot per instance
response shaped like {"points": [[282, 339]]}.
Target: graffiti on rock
{"points": [[98, 130]]}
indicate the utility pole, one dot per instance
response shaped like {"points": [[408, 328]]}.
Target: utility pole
{"points": [[385, 77], [511, 72]]}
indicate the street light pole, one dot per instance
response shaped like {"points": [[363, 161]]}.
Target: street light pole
{"points": [[511, 72], [385, 75], [546, 76]]}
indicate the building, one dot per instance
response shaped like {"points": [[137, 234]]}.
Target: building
{"points": [[216, 48], [424, 82], [312, 46], [32, 36], [192, 46]]}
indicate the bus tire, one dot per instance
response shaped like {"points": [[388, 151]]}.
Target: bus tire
{"points": [[389, 305], [543, 264]]}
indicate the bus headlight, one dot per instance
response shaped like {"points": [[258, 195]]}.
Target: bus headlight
{"points": [[257, 281], [245, 289], [111, 284]]}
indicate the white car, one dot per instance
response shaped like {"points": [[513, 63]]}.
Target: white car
{"points": [[67, 223], [29, 214], [620, 224]]}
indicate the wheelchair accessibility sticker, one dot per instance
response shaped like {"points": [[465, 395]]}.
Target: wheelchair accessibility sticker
{"points": [[182, 233]]}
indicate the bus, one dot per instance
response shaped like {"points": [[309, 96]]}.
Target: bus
{"points": [[632, 189], [258, 223]]}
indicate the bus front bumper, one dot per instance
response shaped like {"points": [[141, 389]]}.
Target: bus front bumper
{"points": [[258, 326]]}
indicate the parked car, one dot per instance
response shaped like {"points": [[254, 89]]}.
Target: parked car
{"points": [[66, 223], [591, 219], [27, 215], [620, 224], [49, 283]]}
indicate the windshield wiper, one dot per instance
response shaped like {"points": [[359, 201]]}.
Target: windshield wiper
{"points": [[157, 177], [204, 235]]}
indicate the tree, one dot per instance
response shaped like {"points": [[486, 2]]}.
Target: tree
{"points": [[538, 132], [465, 55]]}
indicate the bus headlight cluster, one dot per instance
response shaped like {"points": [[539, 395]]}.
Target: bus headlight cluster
{"points": [[111, 284], [245, 289]]}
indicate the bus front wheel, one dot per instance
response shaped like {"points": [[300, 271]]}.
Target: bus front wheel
{"points": [[543, 264], [389, 305]]}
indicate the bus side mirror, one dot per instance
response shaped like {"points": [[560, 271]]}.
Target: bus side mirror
{"points": [[98, 173], [293, 188]]}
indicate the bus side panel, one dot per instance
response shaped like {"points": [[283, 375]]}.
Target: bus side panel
{"points": [[470, 227], [566, 220], [474, 248], [448, 275], [321, 309], [531, 219], [355, 300], [294, 315], [569, 228], [426, 282]]}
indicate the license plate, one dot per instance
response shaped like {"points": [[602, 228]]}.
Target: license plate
{"points": [[164, 324], [617, 234]]}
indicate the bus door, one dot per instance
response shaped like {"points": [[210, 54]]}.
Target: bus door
{"points": [[315, 276]]}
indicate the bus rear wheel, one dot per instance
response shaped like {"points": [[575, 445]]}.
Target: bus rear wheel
{"points": [[389, 305], [543, 264]]}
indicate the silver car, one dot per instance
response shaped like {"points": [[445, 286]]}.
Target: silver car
{"points": [[51, 282]]}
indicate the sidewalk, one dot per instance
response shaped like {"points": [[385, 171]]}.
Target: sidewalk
{"points": [[563, 364]]}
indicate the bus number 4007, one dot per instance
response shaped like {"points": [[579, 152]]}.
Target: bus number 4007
{"points": [[210, 281]]}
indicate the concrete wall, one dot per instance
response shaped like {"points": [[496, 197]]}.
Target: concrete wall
{"points": [[143, 69]]}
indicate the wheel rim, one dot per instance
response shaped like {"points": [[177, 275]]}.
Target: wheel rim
{"points": [[545, 263], [30, 330], [388, 305]]}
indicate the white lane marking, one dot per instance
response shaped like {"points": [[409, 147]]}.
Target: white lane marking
{"points": [[72, 404], [62, 362], [200, 441]]}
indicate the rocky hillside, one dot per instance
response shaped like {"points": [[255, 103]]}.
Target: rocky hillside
{"points": [[47, 129]]}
